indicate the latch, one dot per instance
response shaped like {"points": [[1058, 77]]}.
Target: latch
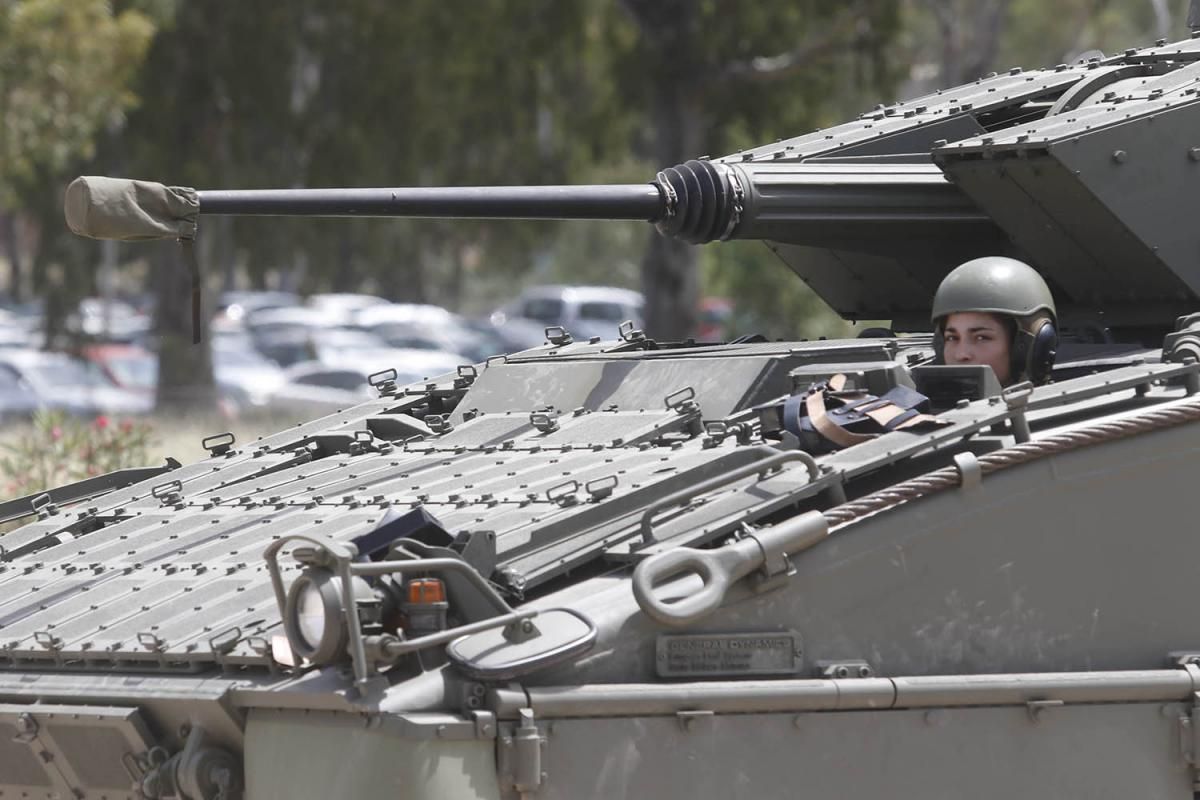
{"points": [[842, 670], [519, 755]]}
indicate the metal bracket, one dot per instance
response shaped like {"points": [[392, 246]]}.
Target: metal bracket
{"points": [[1037, 709], [694, 721], [564, 494], [519, 755], [844, 670], [682, 401], [43, 506], [557, 335], [1189, 739], [169, 493], [1016, 398], [629, 333], [466, 376], [218, 444], [544, 421], [198, 772], [600, 488], [970, 473], [384, 381], [521, 631]]}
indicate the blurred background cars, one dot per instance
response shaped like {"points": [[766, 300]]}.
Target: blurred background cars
{"points": [[236, 306], [428, 327], [280, 352], [583, 311], [109, 320], [34, 379], [312, 388], [341, 307]]}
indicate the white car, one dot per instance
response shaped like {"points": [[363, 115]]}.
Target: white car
{"points": [[342, 307], [313, 388], [584, 311], [427, 327]]}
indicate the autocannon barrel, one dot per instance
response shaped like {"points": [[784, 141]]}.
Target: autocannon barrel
{"points": [[619, 202], [697, 202]]}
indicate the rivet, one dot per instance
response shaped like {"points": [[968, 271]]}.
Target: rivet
{"points": [[1119, 156]]}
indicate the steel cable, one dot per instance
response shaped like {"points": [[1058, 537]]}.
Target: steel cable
{"points": [[949, 477]]}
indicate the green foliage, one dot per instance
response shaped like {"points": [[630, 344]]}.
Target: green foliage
{"points": [[1041, 34], [65, 69], [58, 449], [768, 297]]}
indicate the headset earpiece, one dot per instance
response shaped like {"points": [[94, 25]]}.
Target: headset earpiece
{"points": [[1043, 350], [1034, 349]]}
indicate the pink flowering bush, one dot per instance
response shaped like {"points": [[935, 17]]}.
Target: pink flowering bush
{"points": [[60, 449]]}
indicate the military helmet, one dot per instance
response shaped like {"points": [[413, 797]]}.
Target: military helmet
{"points": [[1000, 285], [993, 284]]}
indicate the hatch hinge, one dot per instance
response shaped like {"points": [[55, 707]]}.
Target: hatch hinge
{"points": [[53, 762], [519, 757], [1189, 720], [1189, 739]]}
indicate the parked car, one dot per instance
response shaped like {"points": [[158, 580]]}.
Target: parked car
{"points": [[332, 344], [316, 387], [244, 377], [286, 335], [715, 317], [128, 366], [427, 327], [109, 320], [237, 305], [33, 379], [341, 307], [312, 388], [584, 311], [509, 334]]}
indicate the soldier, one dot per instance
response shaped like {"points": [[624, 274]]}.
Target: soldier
{"points": [[996, 311]]}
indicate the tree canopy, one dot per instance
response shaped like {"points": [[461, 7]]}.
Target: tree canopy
{"points": [[301, 93]]}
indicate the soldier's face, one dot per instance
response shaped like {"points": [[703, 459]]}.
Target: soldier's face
{"points": [[973, 337]]}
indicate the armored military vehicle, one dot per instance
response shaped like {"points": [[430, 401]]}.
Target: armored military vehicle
{"points": [[602, 569]]}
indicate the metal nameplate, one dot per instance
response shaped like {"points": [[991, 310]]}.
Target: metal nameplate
{"points": [[707, 655]]}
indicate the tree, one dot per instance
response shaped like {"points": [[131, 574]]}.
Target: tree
{"points": [[713, 75], [65, 73]]}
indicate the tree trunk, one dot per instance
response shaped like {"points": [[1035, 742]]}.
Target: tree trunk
{"points": [[12, 244], [970, 36], [185, 377], [669, 267]]}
